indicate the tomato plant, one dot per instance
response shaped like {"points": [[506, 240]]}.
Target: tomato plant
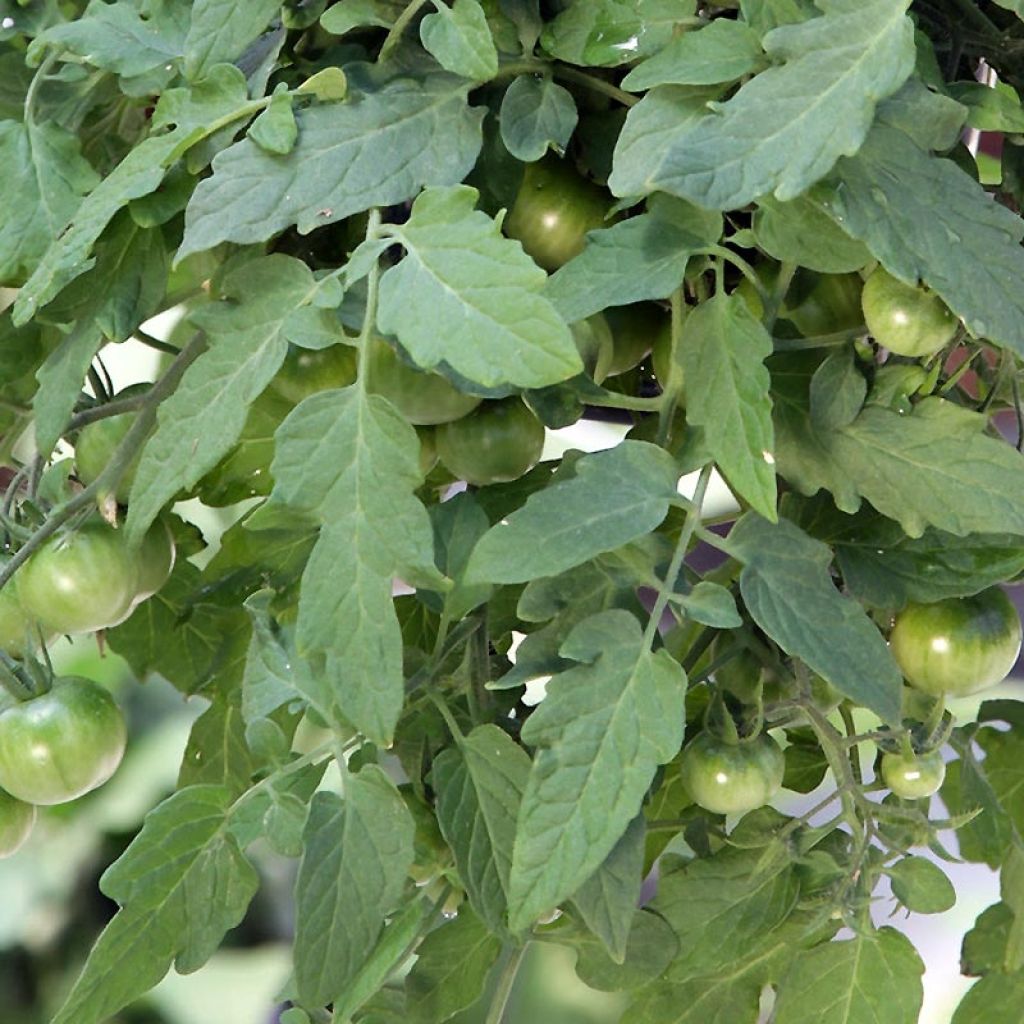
{"points": [[957, 646], [907, 320], [496, 443], [300, 294], [731, 778], [58, 746], [913, 776], [17, 820]]}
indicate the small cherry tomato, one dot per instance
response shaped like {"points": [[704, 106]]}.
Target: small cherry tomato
{"points": [[496, 443], [913, 777], [16, 821], [905, 319], [732, 778]]}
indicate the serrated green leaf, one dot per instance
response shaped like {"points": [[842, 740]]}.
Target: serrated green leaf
{"points": [[375, 149], [860, 981], [996, 999], [643, 257], [459, 523], [984, 946], [838, 390], [275, 130], [459, 39], [342, 17], [536, 113], [221, 29], [787, 589], [479, 785], [602, 730], [615, 496], [921, 885], [651, 946], [764, 15], [192, 111], [216, 753], [328, 85], [786, 127], [349, 460], [801, 232], [722, 52], [47, 178], [711, 604], [932, 119], [357, 852], [204, 417], [608, 899], [723, 348], [181, 884], [990, 109], [967, 249], [451, 969]]}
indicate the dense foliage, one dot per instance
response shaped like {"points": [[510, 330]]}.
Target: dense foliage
{"points": [[407, 239]]}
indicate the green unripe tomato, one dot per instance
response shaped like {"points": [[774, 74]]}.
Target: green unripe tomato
{"points": [[428, 448], [97, 442], [915, 776], [306, 371], [594, 343], [728, 778], [61, 745], [17, 819], [818, 304], [155, 560], [79, 582], [907, 320], [958, 646], [496, 443], [637, 329], [15, 625], [424, 399], [553, 211]]}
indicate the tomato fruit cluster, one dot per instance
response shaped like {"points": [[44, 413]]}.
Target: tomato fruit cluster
{"points": [[732, 778], [958, 646]]}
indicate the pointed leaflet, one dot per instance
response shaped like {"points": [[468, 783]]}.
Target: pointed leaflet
{"points": [[643, 257], [784, 129], [801, 232], [614, 497], [967, 248], [375, 149], [222, 29], [351, 461], [204, 417], [479, 785], [723, 348], [996, 999], [488, 319], [787, 589], [192, 111], [536, 113], [344, 17], [46, 179], [867, 980], [357, 851], [181, 884], [451, 969], [459, 39], [602, 731], [608, 899]]}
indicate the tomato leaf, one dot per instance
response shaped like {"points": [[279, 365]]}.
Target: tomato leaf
{"points": [[459, 38], [181, 884], [993, 1000], [615, 497], [221, 29], [535, 114], [489, 321], [651, 946], [602, 730], [722, 349], [921, 886], [340, 19], [357, 852], [787, 589], [786, 127], [377, 148], [801, 232]]}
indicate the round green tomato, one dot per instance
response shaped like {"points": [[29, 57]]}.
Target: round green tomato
{"points": [[16, 821], [79, 582], [306, 371], [594, 343], [638, 329], [729, 778], [497, 443], [424, 399], [155, 560], [56, 747], [958, 646], [905, 319], [819, 304], [428, 448], [913, 777], [97, 442], [553, 211], [18, 631]]}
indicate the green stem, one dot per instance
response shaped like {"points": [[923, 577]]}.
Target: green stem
{"points": [[778, 293], [567, 74], [107, 409], [446, 713], [16, 407], [37, 80], [817, 341], [499, 1001], [118, 465], [370, 315], [394, 37], [674, 385], [611, 400], [160, 346], [668, 585]]}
